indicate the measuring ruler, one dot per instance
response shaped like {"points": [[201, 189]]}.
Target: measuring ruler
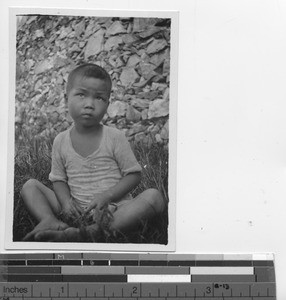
{"points": [[86, 276]]}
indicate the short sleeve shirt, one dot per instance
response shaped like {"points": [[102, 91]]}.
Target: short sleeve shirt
{"points": [[97, 172]]}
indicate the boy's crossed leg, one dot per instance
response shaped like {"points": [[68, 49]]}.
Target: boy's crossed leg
{"points": [[42, 203], [126, 217]]}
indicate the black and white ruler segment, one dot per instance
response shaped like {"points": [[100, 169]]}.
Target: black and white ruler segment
{"points": [[86, 276]]}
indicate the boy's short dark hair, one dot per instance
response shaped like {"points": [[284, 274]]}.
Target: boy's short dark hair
{"points": [[88, 70]]}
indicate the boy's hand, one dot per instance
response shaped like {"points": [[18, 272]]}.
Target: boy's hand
{"points": [[71, 211], [101, 200]]}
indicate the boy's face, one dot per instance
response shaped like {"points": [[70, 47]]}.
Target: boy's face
{"points": [[88, 100]]}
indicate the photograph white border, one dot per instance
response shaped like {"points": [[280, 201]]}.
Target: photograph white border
{"points": [[9, 243]]}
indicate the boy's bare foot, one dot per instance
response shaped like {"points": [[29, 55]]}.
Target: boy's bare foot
{"points": [[47, 224], [71, 234]]}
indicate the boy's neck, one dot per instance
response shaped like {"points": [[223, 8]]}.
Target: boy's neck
{"points": [[88, 130]]}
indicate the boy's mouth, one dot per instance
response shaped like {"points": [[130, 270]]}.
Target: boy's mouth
{"points": [[86, 115]]}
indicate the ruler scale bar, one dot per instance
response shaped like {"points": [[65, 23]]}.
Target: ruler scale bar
{"points": [[137, 270], [136, 263], [148, 298], [88, 276], [147, 289]]}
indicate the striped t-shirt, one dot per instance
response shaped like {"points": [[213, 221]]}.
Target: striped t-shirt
{"points": [[97, 172]]}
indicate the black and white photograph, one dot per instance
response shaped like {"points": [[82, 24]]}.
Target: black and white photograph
{"points": [[92, 116], [152, 133]]}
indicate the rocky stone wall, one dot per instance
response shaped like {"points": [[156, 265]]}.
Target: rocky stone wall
{"points": [[134, 51]]}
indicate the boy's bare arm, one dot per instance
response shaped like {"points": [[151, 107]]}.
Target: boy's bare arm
{"points": [[63, 195], [62, 192], [124, 186], [117, 192]]}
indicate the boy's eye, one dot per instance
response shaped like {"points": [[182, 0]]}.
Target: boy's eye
{"points": [[80, 95], [99, 98]]}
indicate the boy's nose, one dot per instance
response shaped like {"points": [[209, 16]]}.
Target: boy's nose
{"points": [[89, 103]]}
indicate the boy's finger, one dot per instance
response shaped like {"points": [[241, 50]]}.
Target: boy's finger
{"points": [[75, 212], [79, 209]]}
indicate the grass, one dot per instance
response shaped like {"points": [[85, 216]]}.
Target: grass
{"points": [[33, 160]]}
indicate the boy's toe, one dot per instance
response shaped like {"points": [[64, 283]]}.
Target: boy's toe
{"points": [[29, 237], [50, 236]]}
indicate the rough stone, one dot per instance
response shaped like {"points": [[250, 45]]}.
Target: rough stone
{"points": [[144, 114], [38, 34], [145, 58], [44, 66], [115, 28], [91, 28], [82, 44], [74, 48], [133, 60], [60, 61], [158, 86], [132, 50], [156, 46], [146, 69], [60, 44], [149, 32], [113, 42], [158, 108], [132, 114], [158, 58], [165, 131], [119, 62], [150, 95], [116, 109], [129, 28], [29, 20], [60, 80], [54, 117], [112, 60], [140, 103], [154, 129], [34, 101], [166, 67], [94, 44], [129, 39], [38, 85], [64, 32], [140, 24], [103, 21], [136, 128], [128, 76], [158, 138], [79, 28]]}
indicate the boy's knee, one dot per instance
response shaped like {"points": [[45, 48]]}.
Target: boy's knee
{"points": [[28, 186], [155, 199]]}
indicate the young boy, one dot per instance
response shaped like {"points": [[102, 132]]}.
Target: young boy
{"points": [[93, 171]]}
